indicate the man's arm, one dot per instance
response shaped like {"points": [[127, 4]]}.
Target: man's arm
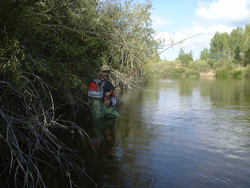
{"points": [[92, 91]]}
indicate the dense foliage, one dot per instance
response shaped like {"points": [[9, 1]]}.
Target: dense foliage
{"points": [[66, 42]]}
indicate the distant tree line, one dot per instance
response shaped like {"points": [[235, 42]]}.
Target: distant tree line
{"points": [[228, 56]]}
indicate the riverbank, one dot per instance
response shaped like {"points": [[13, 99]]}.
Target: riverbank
{"points": [[239, 71], [210, 73]]}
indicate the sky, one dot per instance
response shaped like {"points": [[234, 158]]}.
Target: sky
{"points": [[179, 19]]}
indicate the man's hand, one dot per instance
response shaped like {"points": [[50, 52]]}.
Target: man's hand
{"points": [[107, 102], [108, 94]]}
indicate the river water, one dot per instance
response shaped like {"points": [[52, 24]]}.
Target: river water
{"points": [[183, 132]]}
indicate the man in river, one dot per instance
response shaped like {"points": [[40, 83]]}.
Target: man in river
{"points": [[102, 97]]}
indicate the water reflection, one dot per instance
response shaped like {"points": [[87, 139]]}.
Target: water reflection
{"points": [[175, 133], [102, 132], [185, 133], [100, 164]]}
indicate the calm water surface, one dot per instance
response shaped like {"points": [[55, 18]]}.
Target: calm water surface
{"points": [[184, 132]]}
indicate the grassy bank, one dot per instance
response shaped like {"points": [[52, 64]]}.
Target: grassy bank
{"points": [[198, 68]]}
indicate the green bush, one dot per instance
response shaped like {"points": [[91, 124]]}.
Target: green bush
{"points": [[246, 72], [223, 63], [190, 73], [156, 69], [225, 68], [236, 73], [199, 65], [211, 63], [223, 72], [172, 71]]}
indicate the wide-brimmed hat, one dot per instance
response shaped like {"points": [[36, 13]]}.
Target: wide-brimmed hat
{"points": [[105, 68]]}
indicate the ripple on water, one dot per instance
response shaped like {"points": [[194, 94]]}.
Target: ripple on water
{"points": [[183, 134]]}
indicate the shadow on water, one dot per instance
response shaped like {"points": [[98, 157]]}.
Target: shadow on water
{"points": [[102, 132], [102, 136], [94, 149]]}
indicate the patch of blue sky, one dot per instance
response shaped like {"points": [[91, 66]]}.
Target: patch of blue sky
{"points": [[179, 19]]}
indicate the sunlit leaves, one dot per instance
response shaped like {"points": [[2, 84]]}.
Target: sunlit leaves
{"points": [[234, 46]]}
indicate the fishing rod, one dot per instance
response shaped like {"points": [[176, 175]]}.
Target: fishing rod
{"points": [[156, 56], [153, 58]]}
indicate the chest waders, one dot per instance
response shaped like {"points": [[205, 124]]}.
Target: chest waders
{"points": [[98, 108]]}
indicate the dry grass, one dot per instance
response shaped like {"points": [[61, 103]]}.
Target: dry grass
{"points": [[210, 73]]}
